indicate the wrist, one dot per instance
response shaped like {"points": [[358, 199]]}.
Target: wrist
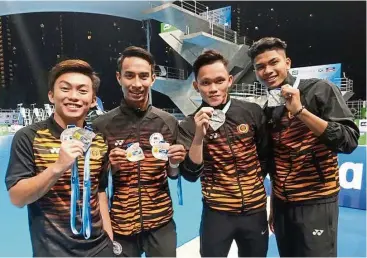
{"points": [[198, 140], [173, 165], [299, 111], [57, 168]]}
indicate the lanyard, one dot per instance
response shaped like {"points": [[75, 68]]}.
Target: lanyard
{"points": [[179, 190], [85, 213], [109, 190]]}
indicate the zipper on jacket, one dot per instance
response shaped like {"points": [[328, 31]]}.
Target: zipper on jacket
{"points": [[139, 185], [235, 165]]}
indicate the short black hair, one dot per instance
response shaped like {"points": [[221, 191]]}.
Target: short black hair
{"points": [[134, 51], [207, 58], [73, 66], [265, 44]]}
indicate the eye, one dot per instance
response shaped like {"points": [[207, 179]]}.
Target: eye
{"points": [[128, 75], [144, 76], [220, 81], [83, 91]]}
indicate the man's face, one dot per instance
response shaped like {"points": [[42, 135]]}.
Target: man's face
{"points": [[135, 78], [72, 96], [212, 83], [271, 67]]}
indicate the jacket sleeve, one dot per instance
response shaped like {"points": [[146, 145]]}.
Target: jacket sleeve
{"points": [[341, 134], [188, 169]]}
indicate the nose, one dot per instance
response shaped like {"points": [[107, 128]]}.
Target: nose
{"points": [[137, 82], [73, 95], [213, 88], [268, 70]]}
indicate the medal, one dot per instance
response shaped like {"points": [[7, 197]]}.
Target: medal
{"points": [[217, 119], [134, 152], [85, 136], [155, 138], [275, 98], [160, 151], [67, 134]]}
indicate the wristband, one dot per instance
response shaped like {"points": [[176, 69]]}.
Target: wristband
{"points": [[174, 165], [299, 111]]}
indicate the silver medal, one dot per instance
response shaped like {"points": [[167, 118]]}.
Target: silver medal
{"points": [[67, 134], [217, 120]]}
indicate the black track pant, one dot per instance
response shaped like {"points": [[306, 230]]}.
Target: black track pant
{"points": [[159, 242], [307, 230], [219, 229]]}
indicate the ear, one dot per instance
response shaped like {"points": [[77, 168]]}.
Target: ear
{"points": [[94, 101], [288, 63], [195, 84], [230, 81], [118, 77], [153, 78], [51, 97]]}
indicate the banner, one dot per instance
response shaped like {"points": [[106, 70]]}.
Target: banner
{"points": [[362, 124], [331, 72], [165, 27]]}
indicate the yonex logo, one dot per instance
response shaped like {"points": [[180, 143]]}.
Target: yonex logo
{"points": [[55, 150], [317, 232], [119, 142]]}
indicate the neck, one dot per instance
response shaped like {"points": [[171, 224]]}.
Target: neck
{"points": [[143, 105], [64, 122]]}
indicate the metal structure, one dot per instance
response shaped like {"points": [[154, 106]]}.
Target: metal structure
{"points": [[358, 108], [170, 72]]}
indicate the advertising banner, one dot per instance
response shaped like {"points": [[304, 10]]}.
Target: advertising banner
{"points": [[331, 72]]}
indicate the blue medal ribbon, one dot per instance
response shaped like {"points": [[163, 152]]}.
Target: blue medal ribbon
{"points": [[179, 190], [109, 189], [85, 212], [74, 197]]}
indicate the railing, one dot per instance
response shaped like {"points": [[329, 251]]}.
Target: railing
{"points": [[248, 90], [217, 24], [344, 83], [170, 72], [358, 108]]}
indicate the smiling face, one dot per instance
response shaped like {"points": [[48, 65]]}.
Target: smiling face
{"points": [[135, 79], [213, 82], [271, 67], [72, 96]]}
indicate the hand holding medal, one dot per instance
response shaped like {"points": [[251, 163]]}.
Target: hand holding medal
{"points": [[202, 121], [70, 150]]}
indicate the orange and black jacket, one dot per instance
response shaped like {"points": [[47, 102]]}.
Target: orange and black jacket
{"points": [[34, 148], [141, 199], [234, 159], [306, 166]]}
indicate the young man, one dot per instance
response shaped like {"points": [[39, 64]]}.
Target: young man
{"points": [[227, 145], [39, 171], [139, 136], [308, 131]]}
